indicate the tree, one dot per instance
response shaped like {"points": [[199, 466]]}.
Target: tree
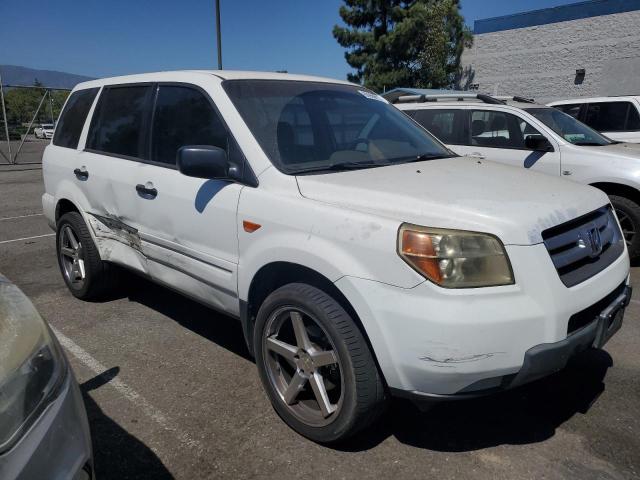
{"points": [[413, 43]]}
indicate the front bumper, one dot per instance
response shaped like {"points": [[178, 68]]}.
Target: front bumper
{"points": [[438, 342], [58, 444]]}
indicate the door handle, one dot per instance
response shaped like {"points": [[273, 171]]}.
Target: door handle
{"points": [[147, 191], [476, 155], [81, 173]]}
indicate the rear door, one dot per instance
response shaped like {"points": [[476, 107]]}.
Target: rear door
{"points": [[187, 226], [500, 136]]}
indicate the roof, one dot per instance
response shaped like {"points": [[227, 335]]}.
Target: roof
{"points": [[563, 13], [222, 74], [615, 98]]}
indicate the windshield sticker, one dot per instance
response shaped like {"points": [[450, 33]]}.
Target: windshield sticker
{"points": [[371, 96], [574, 137]]}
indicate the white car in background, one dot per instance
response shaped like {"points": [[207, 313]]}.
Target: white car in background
{"points": [[44, 130], [616, 117], [362, 257], [521, 133]]}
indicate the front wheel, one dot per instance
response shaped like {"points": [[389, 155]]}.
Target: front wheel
{"points": [[628, 213], [315, 364]]}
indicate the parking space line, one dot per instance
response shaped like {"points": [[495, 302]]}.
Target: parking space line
{"points": [[27, 238], [129, 393], [21, 216]]}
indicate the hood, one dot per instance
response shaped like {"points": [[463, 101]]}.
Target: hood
{"points": [[461, 193], [630, 150]]}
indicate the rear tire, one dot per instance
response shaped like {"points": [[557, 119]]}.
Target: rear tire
{"points": [[84, 272], [628, 213], [329, 389]]}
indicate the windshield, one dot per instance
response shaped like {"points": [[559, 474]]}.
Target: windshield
{"points": [[568, 127], [314, 127]]}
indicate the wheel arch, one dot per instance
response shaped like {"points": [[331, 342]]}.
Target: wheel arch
{"points": [[274, 275], [619, 189], [64, 205]]}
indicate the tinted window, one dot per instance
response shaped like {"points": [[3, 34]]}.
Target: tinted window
{"points": [[568, 127], [607, 116], [498, 129], [573, 109], [314, 127], [73, 117], [183, 116], [449, 126], [633, 120], [118, 126]]}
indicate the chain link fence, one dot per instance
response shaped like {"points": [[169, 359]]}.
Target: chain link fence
{"points": [[27, 121]]}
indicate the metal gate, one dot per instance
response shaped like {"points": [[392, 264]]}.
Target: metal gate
{"points": [[29, 115]]}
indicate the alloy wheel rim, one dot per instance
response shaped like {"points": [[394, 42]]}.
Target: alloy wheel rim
{"points": [[72, 257], [303, 366], [628, 229]]}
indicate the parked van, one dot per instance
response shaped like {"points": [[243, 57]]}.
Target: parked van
{"points": [[520, 133], [616, 117], [363, 258]]}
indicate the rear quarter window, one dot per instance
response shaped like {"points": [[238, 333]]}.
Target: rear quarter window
{"points": [[72, 118]]}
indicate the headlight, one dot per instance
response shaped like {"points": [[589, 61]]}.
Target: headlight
{"points": [[31, 364], [455, 258]]}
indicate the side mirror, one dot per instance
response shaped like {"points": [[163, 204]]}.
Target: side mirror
{"points": [[205, 161], [538, 143]]}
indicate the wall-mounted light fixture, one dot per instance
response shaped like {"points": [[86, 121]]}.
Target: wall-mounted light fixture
{"points": [[580, 74]]}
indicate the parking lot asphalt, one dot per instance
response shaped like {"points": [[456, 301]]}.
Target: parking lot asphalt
{"points": [[172, 393]]}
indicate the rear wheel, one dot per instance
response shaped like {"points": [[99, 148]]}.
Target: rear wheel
{"points": [[315, 364], [86, 275], [628, 213]]}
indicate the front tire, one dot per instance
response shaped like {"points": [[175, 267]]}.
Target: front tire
{"points": [[86, 275], [628, 213], [315, 364]]}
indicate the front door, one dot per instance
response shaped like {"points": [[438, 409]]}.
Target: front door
{"points": [[500, 136]]}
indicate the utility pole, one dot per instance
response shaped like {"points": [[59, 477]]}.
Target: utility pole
{"points": [[219, 35]]}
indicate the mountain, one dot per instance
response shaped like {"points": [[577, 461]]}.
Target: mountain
{"points": [[14, 75]]}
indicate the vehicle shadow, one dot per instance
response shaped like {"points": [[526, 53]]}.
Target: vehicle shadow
{"points": [[224, 331], [528, 414], [117, 454]]}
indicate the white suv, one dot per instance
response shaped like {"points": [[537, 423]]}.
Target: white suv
{"points": [[362, 257], [521, 133], [616, 117]]}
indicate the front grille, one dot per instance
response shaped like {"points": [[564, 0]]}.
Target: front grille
{"points": [[581, 248]]}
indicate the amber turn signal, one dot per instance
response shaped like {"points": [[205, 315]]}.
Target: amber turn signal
{"points": [[250, 227]]}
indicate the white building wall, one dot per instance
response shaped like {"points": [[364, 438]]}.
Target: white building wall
{"points": [[541, 61]]}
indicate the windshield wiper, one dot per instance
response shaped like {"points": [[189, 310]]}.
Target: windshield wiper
{"points": [[590, 144], [336, 167]]}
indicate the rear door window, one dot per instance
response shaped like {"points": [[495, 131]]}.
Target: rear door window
{"points": [[72, 118], [183, 116], [608, 116], [118, 127], [449, 126]]}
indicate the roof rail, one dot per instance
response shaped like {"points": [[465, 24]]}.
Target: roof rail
{"points": [[516, 98], [456, 96]]}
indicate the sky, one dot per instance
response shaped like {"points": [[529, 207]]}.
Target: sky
{"points": [[100, 38]]}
